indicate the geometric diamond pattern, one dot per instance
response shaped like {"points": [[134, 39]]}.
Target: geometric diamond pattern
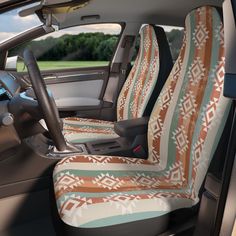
{"points": [[175, 174], [197, 153], [180, 139], [108, 181], [165, 98], [219, 34], [196, 71], [67, 180], [155, 157], [144, 66], [74, 204], [145, 180], [125, 202], [147, 40], [131, 161], [176, 70], [218, 75], [209, 114], [156, 126], [99, 159], [200, 35], [154, 66], [187, 105]]}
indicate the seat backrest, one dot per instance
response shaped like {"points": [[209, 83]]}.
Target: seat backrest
{"points": [[190, 114], [153, 63]]}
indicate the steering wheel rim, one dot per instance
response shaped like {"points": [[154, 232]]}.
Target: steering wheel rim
{"points": [[45, 101]]}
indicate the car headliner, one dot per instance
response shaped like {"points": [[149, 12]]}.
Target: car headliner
{"points": [[165, 12]]}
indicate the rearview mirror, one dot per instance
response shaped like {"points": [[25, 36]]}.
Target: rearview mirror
{"points": [[15, 63], [11, 63]]}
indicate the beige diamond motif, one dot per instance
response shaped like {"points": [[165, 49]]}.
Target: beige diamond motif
{"points": [[67, 180], [187, 105], [175, 174], [125, 202], [108, 181], [99, 159], [209, 115], [74, 204], [197, 153], [177, 69], [154, 156], [219, 74], [145, 180], [196, 71], [165, 98], [156, 126], [220, 34], [200, 35], [180, 139]]}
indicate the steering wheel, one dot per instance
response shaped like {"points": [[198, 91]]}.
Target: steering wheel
{"points": [[45, 101]]}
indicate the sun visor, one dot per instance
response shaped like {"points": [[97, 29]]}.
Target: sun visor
{"points": [[54, 7]]}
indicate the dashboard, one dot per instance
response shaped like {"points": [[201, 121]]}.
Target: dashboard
{"points": [[8, 86]]}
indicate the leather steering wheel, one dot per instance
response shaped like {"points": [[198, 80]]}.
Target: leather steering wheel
{"points": [[45, 100]]}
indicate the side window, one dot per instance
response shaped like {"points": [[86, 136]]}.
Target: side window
{"points": [[75, 47], [175, 38]]}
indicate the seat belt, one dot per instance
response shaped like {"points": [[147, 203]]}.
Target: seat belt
{"points": [[116, 82], [127, 44]]}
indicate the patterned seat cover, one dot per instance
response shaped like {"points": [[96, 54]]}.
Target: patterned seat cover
{"points": [[133, 98], [184, 130]]}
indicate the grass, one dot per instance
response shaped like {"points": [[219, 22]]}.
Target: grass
{"points": [[54, 65]]}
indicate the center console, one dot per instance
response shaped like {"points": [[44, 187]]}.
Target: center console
{"points": [[131, 143]]}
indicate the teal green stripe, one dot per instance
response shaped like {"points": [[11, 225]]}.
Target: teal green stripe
{"points": [[107, 194], [115, 173], [115, 220]]}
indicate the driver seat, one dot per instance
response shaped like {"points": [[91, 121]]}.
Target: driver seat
{"points": [[118, 196], [139, 93]]}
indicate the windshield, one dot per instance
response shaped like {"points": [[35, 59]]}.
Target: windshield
{"points": [[12, 24]]}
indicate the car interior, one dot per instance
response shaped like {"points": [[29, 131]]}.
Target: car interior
{"points": [[139, 140]]}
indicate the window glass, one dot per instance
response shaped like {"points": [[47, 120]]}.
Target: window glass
{"points": [[12, 24], [175, 38], [75, 47]]}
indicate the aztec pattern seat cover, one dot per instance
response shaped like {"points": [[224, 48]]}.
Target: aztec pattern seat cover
{"points": [[133, 97], [184, 130]]}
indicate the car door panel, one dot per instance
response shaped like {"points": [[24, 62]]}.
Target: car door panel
{"points": [[70, 95], [78, 90]]}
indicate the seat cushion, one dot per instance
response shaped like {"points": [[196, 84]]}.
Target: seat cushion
{"points": [[79, 130], [101, 191]]}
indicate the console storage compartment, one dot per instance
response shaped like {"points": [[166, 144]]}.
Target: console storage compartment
{"points": [[132, 128]]}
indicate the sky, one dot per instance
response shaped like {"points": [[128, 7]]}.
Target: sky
{"points": [[12, 24]]}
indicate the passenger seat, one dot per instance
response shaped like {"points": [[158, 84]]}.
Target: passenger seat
{"points": [[139, 93]]}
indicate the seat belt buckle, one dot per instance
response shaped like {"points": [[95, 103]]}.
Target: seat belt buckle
{"points": [[139, 151]]}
